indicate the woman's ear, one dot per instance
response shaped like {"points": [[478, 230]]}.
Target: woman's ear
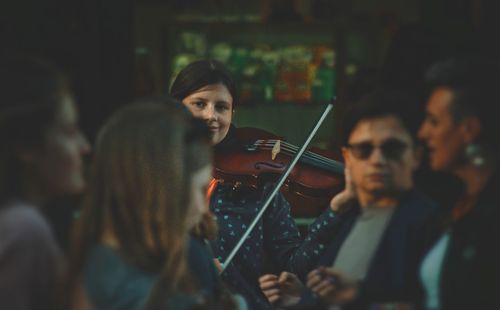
{"points": [[472, 128]]}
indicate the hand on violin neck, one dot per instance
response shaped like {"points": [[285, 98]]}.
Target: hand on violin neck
{"points": [[344, 200]]}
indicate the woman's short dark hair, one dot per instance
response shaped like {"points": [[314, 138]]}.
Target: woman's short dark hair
{"points": [[474, 82], [199, 74], [381, 103]]}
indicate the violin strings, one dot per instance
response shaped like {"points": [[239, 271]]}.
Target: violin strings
{"points": [[292, 149]]}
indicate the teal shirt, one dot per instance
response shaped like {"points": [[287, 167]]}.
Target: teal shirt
{"points": [[111, 283]]}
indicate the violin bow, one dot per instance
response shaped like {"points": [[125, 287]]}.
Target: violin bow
{"points": [[278, 185]]}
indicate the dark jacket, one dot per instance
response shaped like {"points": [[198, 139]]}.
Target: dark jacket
{"points": [[470, 276], [393, 272]]}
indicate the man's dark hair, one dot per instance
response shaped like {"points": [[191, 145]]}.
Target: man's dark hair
{"points": [[382, 103]]}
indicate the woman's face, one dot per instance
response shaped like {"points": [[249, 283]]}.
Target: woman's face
{"points": [[58, 161], [198, 204], [444, 136], [214, 105]]}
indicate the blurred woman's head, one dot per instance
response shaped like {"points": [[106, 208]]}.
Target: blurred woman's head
{"points": [[140, 185], [42, 146], [207, 89], [461, 127], [199, 170]]}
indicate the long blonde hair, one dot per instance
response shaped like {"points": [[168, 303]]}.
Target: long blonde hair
{"points": [[139, 186]]}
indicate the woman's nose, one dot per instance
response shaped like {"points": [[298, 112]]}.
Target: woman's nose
{"points": [[209, 113], [422, 132]]}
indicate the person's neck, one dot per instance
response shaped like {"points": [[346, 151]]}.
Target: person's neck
{"points": [[475, 178]]}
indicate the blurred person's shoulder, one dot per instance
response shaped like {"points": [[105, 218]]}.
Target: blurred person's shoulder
{"points": [[24, 224]]}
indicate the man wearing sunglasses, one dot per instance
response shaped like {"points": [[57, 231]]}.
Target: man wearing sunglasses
{"points": [[382, 219]]}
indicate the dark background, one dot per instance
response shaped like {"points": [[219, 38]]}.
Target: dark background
{"points": [[95, 40], [117, 50]]}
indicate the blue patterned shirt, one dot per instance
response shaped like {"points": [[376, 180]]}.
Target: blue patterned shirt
{"points": [[273, 246]]}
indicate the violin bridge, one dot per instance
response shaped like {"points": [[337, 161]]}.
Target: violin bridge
{"points": [[276, 149]]}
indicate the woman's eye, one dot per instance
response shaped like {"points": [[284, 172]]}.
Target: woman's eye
{"points": [[199, 104], [431, 120], [221, 108]]}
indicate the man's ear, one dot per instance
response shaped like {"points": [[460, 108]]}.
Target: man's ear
{"points": [[471, 128]]}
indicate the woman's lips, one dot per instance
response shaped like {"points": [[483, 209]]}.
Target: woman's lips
{"points": [[378, 176], [430, 150]]}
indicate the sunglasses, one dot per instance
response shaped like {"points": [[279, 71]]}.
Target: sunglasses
{"points": [[392, 149]]}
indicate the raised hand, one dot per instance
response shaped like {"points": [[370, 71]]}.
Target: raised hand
{"points": [[341, 202]]}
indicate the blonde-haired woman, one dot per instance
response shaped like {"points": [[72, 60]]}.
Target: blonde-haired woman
{"points": [[138, 211]]}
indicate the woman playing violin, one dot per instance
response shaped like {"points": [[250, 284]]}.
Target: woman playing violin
{"points": [[207, 89]]}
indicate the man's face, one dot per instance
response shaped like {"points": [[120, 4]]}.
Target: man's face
{"points": [[380, 156]]}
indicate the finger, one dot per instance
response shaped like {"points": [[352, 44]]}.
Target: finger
{"points": [[274, 299], [287, 277], [314, 280], [321, 286], [326, 292], [314, 272], [335, 277], [289, 285], [268, 277], [218, 265], [347, 174], [271, 292], [269, 285], [331, 273], [349, 184]]}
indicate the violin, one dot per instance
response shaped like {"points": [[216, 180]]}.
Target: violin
{"points": [[258, 157], [283, 178]]}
